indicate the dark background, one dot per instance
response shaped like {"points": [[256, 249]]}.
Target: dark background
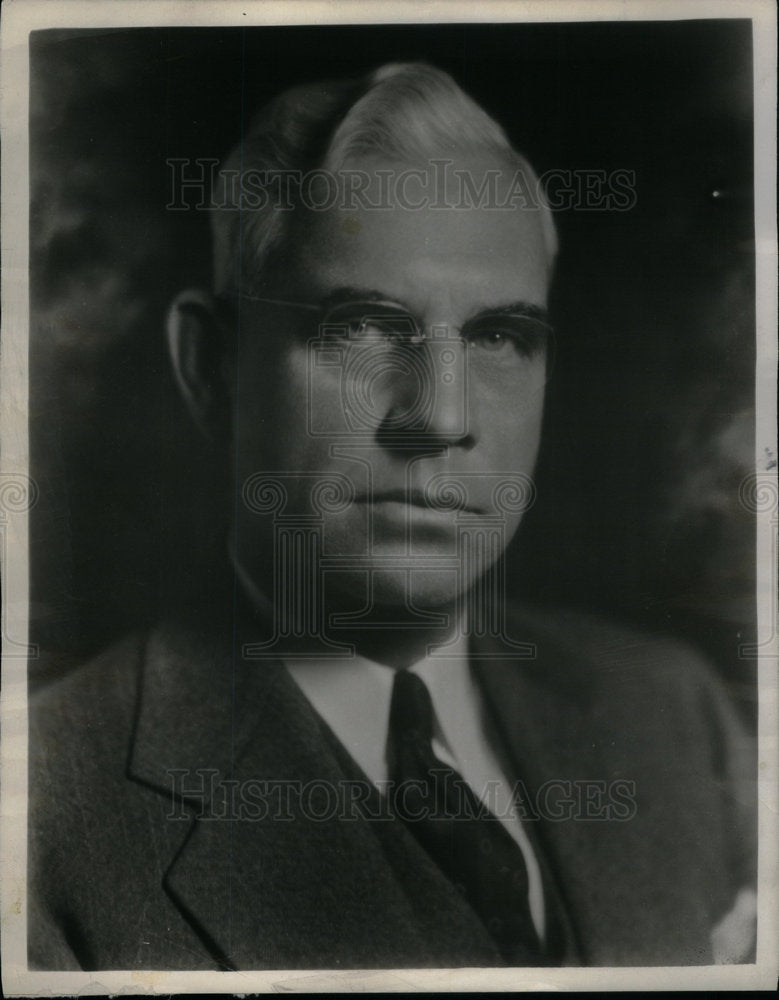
{"points": [[650, 415]]}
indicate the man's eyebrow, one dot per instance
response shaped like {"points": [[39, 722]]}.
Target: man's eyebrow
{"points": [[520, 308], [348, 293]]}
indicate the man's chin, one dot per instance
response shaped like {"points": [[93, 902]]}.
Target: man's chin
{"points": [[409, 594]]}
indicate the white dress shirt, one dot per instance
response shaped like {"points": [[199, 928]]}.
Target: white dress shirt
{"points": [[353, 696]]}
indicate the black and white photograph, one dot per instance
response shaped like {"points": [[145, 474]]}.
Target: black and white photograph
{"points": [[388, 501]]}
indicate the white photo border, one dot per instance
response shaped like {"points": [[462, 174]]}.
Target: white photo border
{"points": [[20, 17]]}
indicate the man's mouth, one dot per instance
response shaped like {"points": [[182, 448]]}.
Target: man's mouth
{"points": [[416, 498]]}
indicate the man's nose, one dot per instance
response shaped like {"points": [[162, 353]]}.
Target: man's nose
{"points": [[434, 404]]}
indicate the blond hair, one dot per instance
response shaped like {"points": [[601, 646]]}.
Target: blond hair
{"points": [[400, 111]]}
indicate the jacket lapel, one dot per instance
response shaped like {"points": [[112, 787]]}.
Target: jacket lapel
{"points": [[535, 706], [289, 859], [575, 728]]}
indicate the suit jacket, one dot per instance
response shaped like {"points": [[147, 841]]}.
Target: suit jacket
{"points": [[138, 860]]}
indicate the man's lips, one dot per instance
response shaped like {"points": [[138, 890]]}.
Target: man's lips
{"points": [[414, 498]]}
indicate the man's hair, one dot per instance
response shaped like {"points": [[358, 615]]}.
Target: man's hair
{"points": [[401, 112]]}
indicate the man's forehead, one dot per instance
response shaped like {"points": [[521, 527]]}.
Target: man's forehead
{"points": [[423, 238], [451, 178]]}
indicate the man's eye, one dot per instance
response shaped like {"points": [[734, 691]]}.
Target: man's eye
{"points": [[523, 336], [490, 340], [377, 328], [368, 324]]}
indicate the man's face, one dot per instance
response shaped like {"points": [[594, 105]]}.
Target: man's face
{"points": [[419, 426]]}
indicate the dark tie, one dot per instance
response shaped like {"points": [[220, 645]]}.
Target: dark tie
{"points": [[468, 843]]}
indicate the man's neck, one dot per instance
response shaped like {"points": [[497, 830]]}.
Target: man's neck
{"points": [[395, 635], [397, 647]]}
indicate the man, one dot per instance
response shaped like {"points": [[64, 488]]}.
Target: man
{"points": [[347, 750]]}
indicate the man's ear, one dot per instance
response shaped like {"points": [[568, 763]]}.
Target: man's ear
{"points": [[199, 353]]}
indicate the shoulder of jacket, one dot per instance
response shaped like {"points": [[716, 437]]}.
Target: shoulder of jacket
{"points": [[90, 710], [616, 652]]}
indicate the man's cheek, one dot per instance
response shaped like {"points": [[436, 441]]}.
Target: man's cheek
{"points": [[514, 448]]}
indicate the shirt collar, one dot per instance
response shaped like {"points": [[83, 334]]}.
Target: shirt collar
{"points": [[353, 694]]}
